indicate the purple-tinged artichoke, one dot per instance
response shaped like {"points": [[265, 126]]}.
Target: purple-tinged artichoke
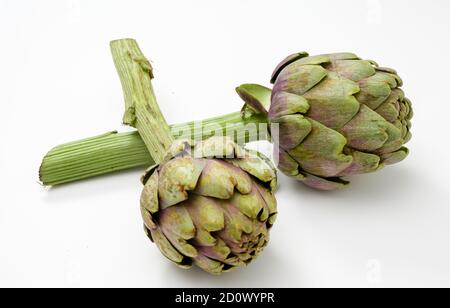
{"points": [[211, 205], [338, 116]]}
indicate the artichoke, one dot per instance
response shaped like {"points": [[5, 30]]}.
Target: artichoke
{"points": [[337, 116], [211, 205]]}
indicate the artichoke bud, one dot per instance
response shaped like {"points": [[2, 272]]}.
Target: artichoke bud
{"points": [[338, 116], [211, 204]]}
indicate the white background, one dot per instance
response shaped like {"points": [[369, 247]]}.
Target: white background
{"points": [[58, 83]]}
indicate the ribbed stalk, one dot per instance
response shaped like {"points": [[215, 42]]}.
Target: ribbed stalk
{"points": [[141, 108], [121, 151], [113, 151]]}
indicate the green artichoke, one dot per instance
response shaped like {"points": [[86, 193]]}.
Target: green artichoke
{"points": [[338, 116], [211, 205]]}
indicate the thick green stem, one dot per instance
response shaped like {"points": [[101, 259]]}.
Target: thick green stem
{"points": [[93, 156], [141, 108], [121, 151], [113, 151]]}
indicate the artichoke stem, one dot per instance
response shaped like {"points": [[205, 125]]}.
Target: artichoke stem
{"points": [[141, 108], [114, 151]]}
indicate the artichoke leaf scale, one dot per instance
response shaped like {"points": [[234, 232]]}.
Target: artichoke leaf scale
{"points": [[321, 153]]}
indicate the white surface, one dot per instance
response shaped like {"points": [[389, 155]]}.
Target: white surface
{"points": [[58, 84]]}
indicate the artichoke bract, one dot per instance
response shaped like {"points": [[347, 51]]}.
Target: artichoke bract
{"points": [[338, 116], [211, 205]]}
